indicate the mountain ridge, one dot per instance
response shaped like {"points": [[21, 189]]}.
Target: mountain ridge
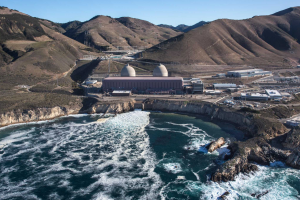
{"points": [[104, 32], [260, 40]]}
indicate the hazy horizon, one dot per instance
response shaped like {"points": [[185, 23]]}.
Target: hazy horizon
{"points": [[157, 12]]}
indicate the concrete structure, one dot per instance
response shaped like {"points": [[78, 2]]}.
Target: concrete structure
{"points": [[97, 77], [89, 57], [254, 97], [298, 66], [128, 71], [157, 84], [248, 73], [160, 71], [91, 82], [193, 85], [221, 75], [231, 90], [224, 86], [121, 93], [293, 123], [273, 94], [198, 85], [290, 78], [213, 92], [285, 94]]}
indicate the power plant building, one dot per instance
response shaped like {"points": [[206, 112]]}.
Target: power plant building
{"points": [[158, 83]]}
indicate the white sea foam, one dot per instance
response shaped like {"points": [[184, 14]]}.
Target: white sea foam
{"points": [[111, 153], [269, 179], [174, 168]]}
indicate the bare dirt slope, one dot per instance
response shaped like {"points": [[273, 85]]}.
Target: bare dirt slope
{"points": [[102, 32], [272, 40]]}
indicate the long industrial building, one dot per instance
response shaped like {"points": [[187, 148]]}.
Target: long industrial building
{"points": [[158, 83], [248, 73]]}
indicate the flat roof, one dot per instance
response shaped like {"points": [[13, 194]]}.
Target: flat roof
{"points": [[224, 85], [254, 95], [121, 91], [245, 70], [273, 93], [150, 78]]}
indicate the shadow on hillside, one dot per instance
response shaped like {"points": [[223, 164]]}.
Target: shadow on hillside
{"points": [[82, 72]]}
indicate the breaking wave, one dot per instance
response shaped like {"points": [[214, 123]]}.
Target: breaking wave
{"points": [[110, 160]]}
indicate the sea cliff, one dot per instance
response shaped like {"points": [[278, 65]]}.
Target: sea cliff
{"points": [[40, 114]]}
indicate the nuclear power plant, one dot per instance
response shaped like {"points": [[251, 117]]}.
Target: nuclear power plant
{"points": [[158, 83]]}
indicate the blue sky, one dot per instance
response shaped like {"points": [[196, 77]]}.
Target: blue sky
{"points": [[171, 12]]}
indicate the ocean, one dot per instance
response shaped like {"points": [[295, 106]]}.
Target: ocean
{"points": [[134, 155]]}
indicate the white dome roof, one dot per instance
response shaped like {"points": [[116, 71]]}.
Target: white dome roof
{"points": [[128, 71], [160, 71]]}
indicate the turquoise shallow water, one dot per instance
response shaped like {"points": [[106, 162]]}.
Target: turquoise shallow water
{"points": [[136, 155]]}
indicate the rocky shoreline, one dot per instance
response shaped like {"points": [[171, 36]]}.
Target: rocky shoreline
{"points": [[269, 140]]}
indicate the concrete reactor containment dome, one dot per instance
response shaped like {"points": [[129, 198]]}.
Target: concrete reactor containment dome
{"points": [[127, 71], [160, 71]]}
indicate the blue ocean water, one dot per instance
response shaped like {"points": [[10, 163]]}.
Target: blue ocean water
{"points": [[135, 155]]}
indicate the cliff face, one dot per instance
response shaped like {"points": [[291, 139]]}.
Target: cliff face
{"points": [[252, 124], [293, 142], [39, 114], [256, 149], [22, 116], [112, 107], [294, 159], [199, 108]]}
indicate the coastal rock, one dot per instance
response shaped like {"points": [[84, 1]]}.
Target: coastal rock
{"points": [[231, 168], [224, 196], [256, 150], [112, 107], [294, 159], [252, 124], [39, 114], [293, 139], [22, 116], [216, 144]]}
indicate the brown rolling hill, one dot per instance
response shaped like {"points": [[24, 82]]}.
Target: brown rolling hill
{"points": [[33, 50], [184, 28], [103, 32], [272, 40]]}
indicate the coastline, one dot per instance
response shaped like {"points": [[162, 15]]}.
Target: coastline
{"points": [[259, 131]]}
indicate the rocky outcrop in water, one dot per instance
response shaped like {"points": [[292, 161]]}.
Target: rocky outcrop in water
{"points": [[293, 138], [294, 159], [216, 144], [256, 150]]}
